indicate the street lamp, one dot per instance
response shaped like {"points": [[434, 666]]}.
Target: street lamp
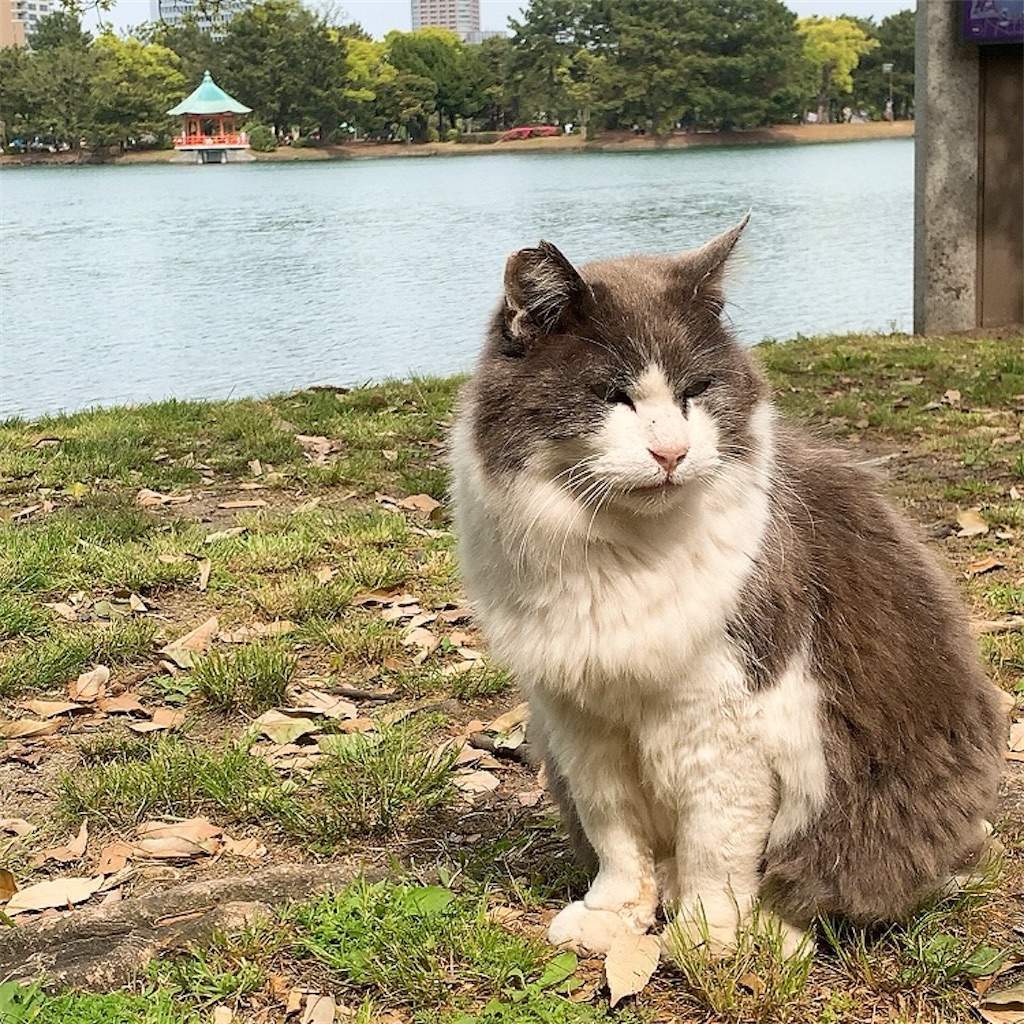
{"points": [[889, 112]]}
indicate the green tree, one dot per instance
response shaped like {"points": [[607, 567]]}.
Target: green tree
{"points": [[59, 86], [59, 28], [198, 50], [440, 57], [134, 85], [16, 104], [832, 48], [895, 35]]}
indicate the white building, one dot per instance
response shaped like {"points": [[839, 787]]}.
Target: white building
{"points": [[460, 16], [28, 12], [173, 12]]}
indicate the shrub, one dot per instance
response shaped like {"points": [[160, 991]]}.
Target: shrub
{"points": [[484, 138], [262, 138]]}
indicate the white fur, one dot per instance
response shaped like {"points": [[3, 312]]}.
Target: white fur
{"points": [[613, 621]]}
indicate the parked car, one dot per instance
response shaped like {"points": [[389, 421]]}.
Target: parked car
{"points": [[530, 131]]}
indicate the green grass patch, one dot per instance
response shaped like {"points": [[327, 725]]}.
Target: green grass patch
{"points": [[62, 655], [253, 678], [356, 639], [21, 618], [174, 777], [21, 1005]]}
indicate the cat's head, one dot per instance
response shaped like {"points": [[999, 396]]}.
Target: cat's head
{"points": [[617, 378]]}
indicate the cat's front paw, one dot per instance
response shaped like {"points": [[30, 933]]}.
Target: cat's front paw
{"points": [[593, 931], [712, 920]]}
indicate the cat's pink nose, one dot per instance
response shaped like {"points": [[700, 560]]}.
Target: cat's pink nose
{"points": [[669, 456]]}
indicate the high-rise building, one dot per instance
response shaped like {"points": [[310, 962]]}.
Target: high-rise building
{"points": [[28, 13], [12, 31], [209, 17], [461, 16]]}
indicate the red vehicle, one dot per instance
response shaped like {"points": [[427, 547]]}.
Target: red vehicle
{"points": [[530, 131]]}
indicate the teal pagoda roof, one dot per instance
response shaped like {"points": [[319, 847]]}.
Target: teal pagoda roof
{"points": [[209, 98]]}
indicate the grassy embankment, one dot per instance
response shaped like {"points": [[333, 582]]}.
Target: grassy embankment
{"points": [[124, 529], [606, 142]]}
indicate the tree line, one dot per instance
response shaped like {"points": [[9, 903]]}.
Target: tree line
{"points": [[650, 65]]}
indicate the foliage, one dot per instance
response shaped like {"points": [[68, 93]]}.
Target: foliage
{"points": [[832, 48], [658, 65], [261, 138]]}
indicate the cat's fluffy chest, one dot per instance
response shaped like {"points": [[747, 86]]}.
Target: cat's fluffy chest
{"points": [[614, 620]]}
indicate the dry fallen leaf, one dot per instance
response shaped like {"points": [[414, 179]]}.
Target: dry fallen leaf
{"points": [[233, 531], [72, 850], [424, 640], [163, 718], [319, 703], [8, 886], [50, 708], [15, 826], [205, 568], [243, 503], [971, 524], [91, 685], [250, 849], [504, 723], [1017, 736], [319, 1009], [174, 839], [56, 892], [1005, 1006], [630, 963], [952, 397], [125, 704], [223, 1015], [196, 641], [282, 728], [27, 728], [317, 448], [475, 782], [984, 565], [420, 503], [113, 857]]}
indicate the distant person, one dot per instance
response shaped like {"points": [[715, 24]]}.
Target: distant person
{"points": [[889, 116]]}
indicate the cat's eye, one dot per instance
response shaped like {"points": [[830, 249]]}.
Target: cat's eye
{"points": [[698, 387], [616, 396]]}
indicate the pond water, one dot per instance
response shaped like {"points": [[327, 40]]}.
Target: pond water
{"points": [[134, 283]]}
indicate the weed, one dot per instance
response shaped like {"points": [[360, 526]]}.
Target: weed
{"points": [[723, 983], [305, 598], [176, 778], [21, 618], [64, 653], [358, 639], [253, 678]]}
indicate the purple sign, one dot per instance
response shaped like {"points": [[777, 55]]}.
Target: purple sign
{"points": [[992, 21]]}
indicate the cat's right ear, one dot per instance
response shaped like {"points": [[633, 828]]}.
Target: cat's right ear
{"points": [[541, 288]]}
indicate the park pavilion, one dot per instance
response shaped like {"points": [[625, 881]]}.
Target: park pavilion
{"points": [[208, 123]]}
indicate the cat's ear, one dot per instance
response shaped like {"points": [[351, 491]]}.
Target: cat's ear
{"points": [[541, 288], [704, 268]]}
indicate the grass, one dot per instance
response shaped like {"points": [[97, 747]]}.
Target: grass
{"points": [[43, 664], [253, 678], [328, 532]]}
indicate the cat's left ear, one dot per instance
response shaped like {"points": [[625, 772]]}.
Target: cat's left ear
{"points": [[705, 267]]}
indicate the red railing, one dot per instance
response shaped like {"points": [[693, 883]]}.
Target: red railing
{"points": [[217, 139]]}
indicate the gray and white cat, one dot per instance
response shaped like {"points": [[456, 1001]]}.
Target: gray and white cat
{"points": [[751, 679]]}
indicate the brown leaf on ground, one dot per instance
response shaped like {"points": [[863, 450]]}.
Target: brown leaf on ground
{"points": [[474, 783], [971, 524], [196, 641], [15, 826], [390, 455], [223, 1015], [422, 639], [325, 574], [147, 498], [27, 728], [630, 964], [63, 609], [327, 704], [72, 850], [8, 886], [319, 1009], [163, 718], [243, 503], [170, 840], [420, 503], [317, 448], [279, 627], [249, 849], [56, 892], [504, 723], [205, 568], [1005, 1006], [113, 857], [282, 728], [125, 704], [952, 398], [91, 685], [219, 535], [984, 565], [1017, 736], [454, 615], [50, 708]]}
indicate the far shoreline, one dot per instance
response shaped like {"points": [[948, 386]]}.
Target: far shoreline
{"points": [[607, 142]]}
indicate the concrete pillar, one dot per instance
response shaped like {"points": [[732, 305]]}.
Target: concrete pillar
{"points": [[945, 173]]}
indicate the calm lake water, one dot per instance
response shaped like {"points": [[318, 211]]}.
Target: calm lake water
{"points": [[127, 284]]}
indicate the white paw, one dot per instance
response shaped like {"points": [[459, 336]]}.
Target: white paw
{"points": [[712, 919], [586, 930]]}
